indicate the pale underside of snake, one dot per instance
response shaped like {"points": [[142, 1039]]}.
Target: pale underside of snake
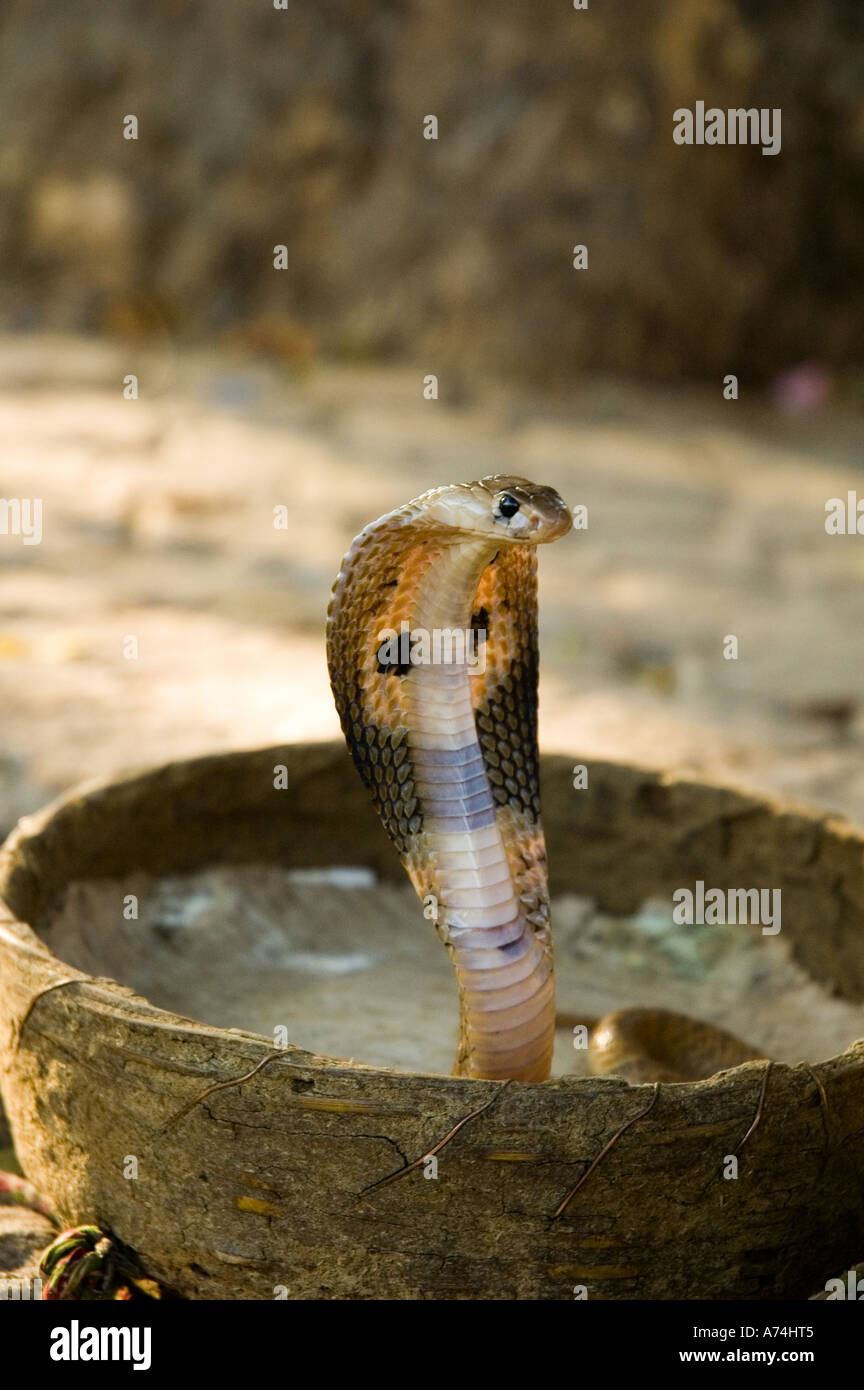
{"points": [[433, 657]]}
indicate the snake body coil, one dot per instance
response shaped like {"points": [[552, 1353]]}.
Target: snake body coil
{"points": [[449, 750]]}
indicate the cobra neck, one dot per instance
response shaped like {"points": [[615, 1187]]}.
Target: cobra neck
{"points": [[447, 599]]}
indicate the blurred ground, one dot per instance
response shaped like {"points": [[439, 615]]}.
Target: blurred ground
{"points": [[706, 518]]}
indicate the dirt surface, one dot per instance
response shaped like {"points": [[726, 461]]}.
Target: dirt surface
{"points": [[353, 970], [706, 518], [24, 1234]]}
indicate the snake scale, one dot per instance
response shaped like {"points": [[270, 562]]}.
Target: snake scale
{"points": [[445, 739]]}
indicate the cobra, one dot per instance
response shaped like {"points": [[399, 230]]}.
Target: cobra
{"points": [[448, 751]]}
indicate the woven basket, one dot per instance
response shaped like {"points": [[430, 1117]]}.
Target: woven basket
{"points": [[254, 1194]]}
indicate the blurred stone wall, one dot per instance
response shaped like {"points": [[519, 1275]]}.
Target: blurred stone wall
{"points": [[304, 127]]}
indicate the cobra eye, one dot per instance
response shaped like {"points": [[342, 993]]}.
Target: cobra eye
{"points": [[507, 505]]}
